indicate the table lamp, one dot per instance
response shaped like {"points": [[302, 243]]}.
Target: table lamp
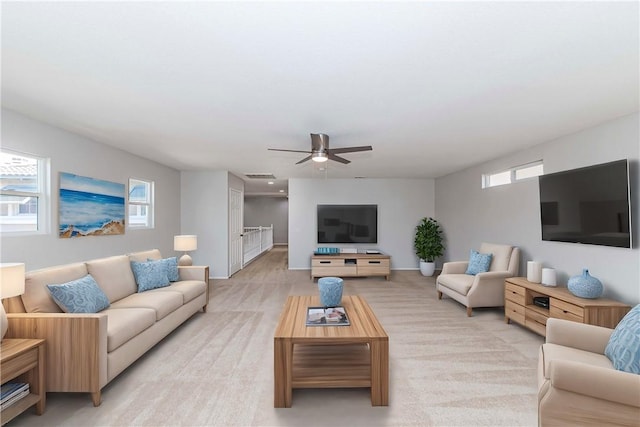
{"points": [[11, 285], [184, 243]]}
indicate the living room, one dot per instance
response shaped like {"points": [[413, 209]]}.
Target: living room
{"points": [[193, 198]]}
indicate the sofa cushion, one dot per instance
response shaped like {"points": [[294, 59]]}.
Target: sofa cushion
{"points": [[79, 296], [36, 297], [478, 262], [126, 323], [560, 352], [150, 275], [114, 276], [461, 283], [142, 256], [623, 348], [501, 255], [190, 289], [171, 266], [162, 302]]}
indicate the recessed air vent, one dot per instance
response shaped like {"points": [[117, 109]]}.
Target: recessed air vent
{"points": [[259, 175]]}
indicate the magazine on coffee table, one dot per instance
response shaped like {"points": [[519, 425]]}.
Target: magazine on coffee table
{"points": [[327, 316]]}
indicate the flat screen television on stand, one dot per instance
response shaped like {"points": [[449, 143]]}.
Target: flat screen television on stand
{"points": [[347, 223], [589, 205]]}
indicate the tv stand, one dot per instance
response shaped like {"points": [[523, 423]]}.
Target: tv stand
{"points": [[358, 264]]}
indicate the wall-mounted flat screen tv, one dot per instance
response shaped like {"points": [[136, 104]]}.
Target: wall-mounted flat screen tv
{"points": [[347, 223], [587, 205]]}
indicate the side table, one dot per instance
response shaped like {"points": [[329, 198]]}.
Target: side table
{"points": [[23, 359]]}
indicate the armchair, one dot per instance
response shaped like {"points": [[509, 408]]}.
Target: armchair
{"points": [[483, 289], [577, 383]]}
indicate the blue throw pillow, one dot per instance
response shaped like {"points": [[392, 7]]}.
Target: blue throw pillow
{"points": [[478, 263], [79, 296], [150, 275], [623, 348], [171, 264]]}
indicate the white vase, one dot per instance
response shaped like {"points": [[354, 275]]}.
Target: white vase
{"points": [[427, 268]]}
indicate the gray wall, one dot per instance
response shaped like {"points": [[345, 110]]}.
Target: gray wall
{"points": [[401, 205], [69, 152], [511, 213], [263, 210], [205, 213]]}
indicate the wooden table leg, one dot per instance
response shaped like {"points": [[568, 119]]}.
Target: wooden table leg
{"points": [[282, 372], [379, 372]]}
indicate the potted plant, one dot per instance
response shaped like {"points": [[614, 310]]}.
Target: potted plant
{"points": [[428, 244]]}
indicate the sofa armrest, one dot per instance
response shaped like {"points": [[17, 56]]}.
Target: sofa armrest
{"points": [[595, 381], [76, 347], [454, 267], [194, 272], [582, 336]]}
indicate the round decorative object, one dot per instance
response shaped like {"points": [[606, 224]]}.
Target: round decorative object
{"points": [[585, 285], [330, 291]]}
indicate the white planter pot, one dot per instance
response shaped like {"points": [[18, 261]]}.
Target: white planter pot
{"points": [[427, 268]]}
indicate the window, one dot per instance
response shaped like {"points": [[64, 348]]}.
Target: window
{"points": [[140, 203], [23, 193], [517, 173]]}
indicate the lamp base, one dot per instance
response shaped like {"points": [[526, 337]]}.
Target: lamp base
{"points": [[185, 260], [4, 322]]}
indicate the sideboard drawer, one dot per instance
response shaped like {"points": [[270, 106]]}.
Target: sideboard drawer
{"points": [[514, 311], [514, 293], [564, 310], [327, 262]]}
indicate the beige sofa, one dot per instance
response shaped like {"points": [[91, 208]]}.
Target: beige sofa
{"points": [[483, 289], [84, 352], [577, 383]]}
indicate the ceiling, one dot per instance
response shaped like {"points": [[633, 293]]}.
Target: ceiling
{"points": [[434, 87]]}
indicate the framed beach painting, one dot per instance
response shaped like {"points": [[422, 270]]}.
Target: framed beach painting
{"points": [[90, 207]]}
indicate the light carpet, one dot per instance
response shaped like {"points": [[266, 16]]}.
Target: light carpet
{"points": [[217, 369]]}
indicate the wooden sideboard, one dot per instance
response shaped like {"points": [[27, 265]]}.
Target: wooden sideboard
{"points": [[351, 265], [519, 307]]}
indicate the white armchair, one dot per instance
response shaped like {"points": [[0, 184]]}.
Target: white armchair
{"points": [[483, 289]]}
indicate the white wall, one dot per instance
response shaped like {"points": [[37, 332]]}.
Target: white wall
{"points": [[511, 214], [401, 205], [264, 211], [205, 213], [72, 153]]}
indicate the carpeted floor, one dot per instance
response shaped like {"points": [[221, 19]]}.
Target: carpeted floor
{"points": [[217, 368]]}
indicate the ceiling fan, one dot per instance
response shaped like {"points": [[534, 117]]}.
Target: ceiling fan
{"points": [[320, 151]]}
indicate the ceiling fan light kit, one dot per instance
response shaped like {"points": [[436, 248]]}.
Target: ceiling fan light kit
{"points": [[320, 151], [319, 157]]}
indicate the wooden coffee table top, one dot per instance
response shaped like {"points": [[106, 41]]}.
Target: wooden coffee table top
{"points": [[364, 325]]}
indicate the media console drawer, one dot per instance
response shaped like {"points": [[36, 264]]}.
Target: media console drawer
{"points": [[351, 265]]}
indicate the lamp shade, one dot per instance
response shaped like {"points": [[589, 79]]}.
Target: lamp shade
{"points": [[188, 242], [11, 279]]}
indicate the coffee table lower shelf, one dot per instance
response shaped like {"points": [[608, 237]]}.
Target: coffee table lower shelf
{"points": [[331, 366]]}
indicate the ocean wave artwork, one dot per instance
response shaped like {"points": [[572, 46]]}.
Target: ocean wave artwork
{"points": [[90, 207]]}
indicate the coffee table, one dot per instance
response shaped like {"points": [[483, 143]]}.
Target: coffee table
{"points": [[330, 356]]}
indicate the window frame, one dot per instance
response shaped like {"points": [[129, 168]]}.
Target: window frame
{"points": [[43, 194], [149, 205], [486, 178]]}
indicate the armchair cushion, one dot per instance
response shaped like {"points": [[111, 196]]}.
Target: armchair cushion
{"points": [[501, 255], [461, 283], [623, 348], [478, 263]]}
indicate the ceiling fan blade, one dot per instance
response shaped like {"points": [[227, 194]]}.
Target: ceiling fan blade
{"points": [[350, 149], [338, 159], [291, 151], [304, 160]]}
